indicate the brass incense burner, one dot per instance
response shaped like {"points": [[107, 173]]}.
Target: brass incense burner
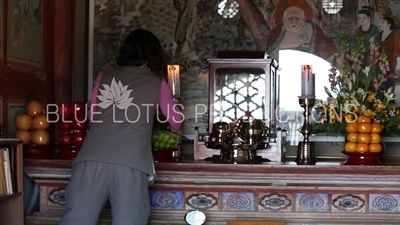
{"points": [[238, 141]]}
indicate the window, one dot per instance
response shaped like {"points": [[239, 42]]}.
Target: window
{"points": [[290, 62], [228, 8], [332, 6]]}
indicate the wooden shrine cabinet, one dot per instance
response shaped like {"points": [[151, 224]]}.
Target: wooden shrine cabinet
{"points": [[243, 84]]}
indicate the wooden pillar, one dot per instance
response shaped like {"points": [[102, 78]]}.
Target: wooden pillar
{"points": [[62, 51]]}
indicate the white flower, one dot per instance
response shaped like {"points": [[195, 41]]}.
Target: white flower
{"points": [[115, 94], [350, 85], [389, 96], [363, 108], [353, 77], [354, 102], [366, 70], [390, 90], [345, 94]]}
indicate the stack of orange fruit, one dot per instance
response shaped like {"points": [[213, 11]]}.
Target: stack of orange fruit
{"points": [[363, 136], [32, 126]]}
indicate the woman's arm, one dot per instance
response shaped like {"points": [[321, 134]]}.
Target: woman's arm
{"points": [[93, 99], [169, 109]]}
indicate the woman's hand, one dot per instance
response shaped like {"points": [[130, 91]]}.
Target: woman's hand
{"points": [[179, 132]]}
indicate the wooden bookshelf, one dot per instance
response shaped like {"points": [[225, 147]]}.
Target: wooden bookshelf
{"points": [[12, 205]]}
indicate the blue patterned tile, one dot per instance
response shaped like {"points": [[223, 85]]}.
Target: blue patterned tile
{"points": [[312, 202], [384, 203], [275, 202], [57, 196], [351, 203], [168, 200], [238, 201], [202, 201]]}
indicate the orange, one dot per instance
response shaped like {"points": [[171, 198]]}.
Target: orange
{"points": [[351, 127], [375, 147], [364, 119], [364, 128], [352, 137], [34, 108], [362, 148], [350, 146], [40, 122], [376, 128], [40, 137], [376, 138], [24, 136], [364, 138], [23, 122]]}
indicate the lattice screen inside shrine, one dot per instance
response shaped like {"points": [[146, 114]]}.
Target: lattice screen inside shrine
{"points": [[239, 95]]}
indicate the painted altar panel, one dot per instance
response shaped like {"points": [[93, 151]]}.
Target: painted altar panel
{"points": [[306, 194], [25, 32]]}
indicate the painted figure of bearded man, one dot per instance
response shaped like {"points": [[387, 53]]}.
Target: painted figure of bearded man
{"points": [[298, 33]]}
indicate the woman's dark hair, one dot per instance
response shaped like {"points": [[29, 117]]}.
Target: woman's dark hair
{"points": [[390, 21], [367, 10], [141, 48]]}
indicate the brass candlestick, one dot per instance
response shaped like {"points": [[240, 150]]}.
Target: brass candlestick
{"points": [[177, 100], [305, 149], [177, 155]]}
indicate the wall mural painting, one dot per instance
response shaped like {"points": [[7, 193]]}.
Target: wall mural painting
{"points": [[298, 33], [193, 30], [1, 114], [25, 31], [1, 29]]}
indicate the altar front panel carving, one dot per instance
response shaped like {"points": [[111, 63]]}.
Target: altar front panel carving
{"points": [[269, 191]]}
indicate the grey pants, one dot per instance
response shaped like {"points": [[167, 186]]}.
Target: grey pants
{"points": [[93, 183]]}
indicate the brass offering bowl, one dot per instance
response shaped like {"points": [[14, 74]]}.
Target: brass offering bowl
{"points": [[219, 133], [253, 132], [239, 143]]}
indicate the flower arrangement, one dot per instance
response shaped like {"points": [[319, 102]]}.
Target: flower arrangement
{"points": [[359, 85]]}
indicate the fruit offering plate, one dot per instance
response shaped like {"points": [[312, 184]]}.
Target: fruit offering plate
{"points": [[164, 154], [367, 158], [32, 151], [67, 152], [67, 147]]}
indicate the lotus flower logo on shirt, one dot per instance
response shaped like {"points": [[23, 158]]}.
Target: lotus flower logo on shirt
{"points": [[117, 94]]}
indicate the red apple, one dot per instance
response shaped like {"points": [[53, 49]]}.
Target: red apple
{"points": [[65, 110], [79, 124], [79, 109], [78, 138], [65, 139], [64, 126]]}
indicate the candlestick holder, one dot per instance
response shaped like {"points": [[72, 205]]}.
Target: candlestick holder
{"points": [[305, 149], [177, 99], [177, 154]]}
